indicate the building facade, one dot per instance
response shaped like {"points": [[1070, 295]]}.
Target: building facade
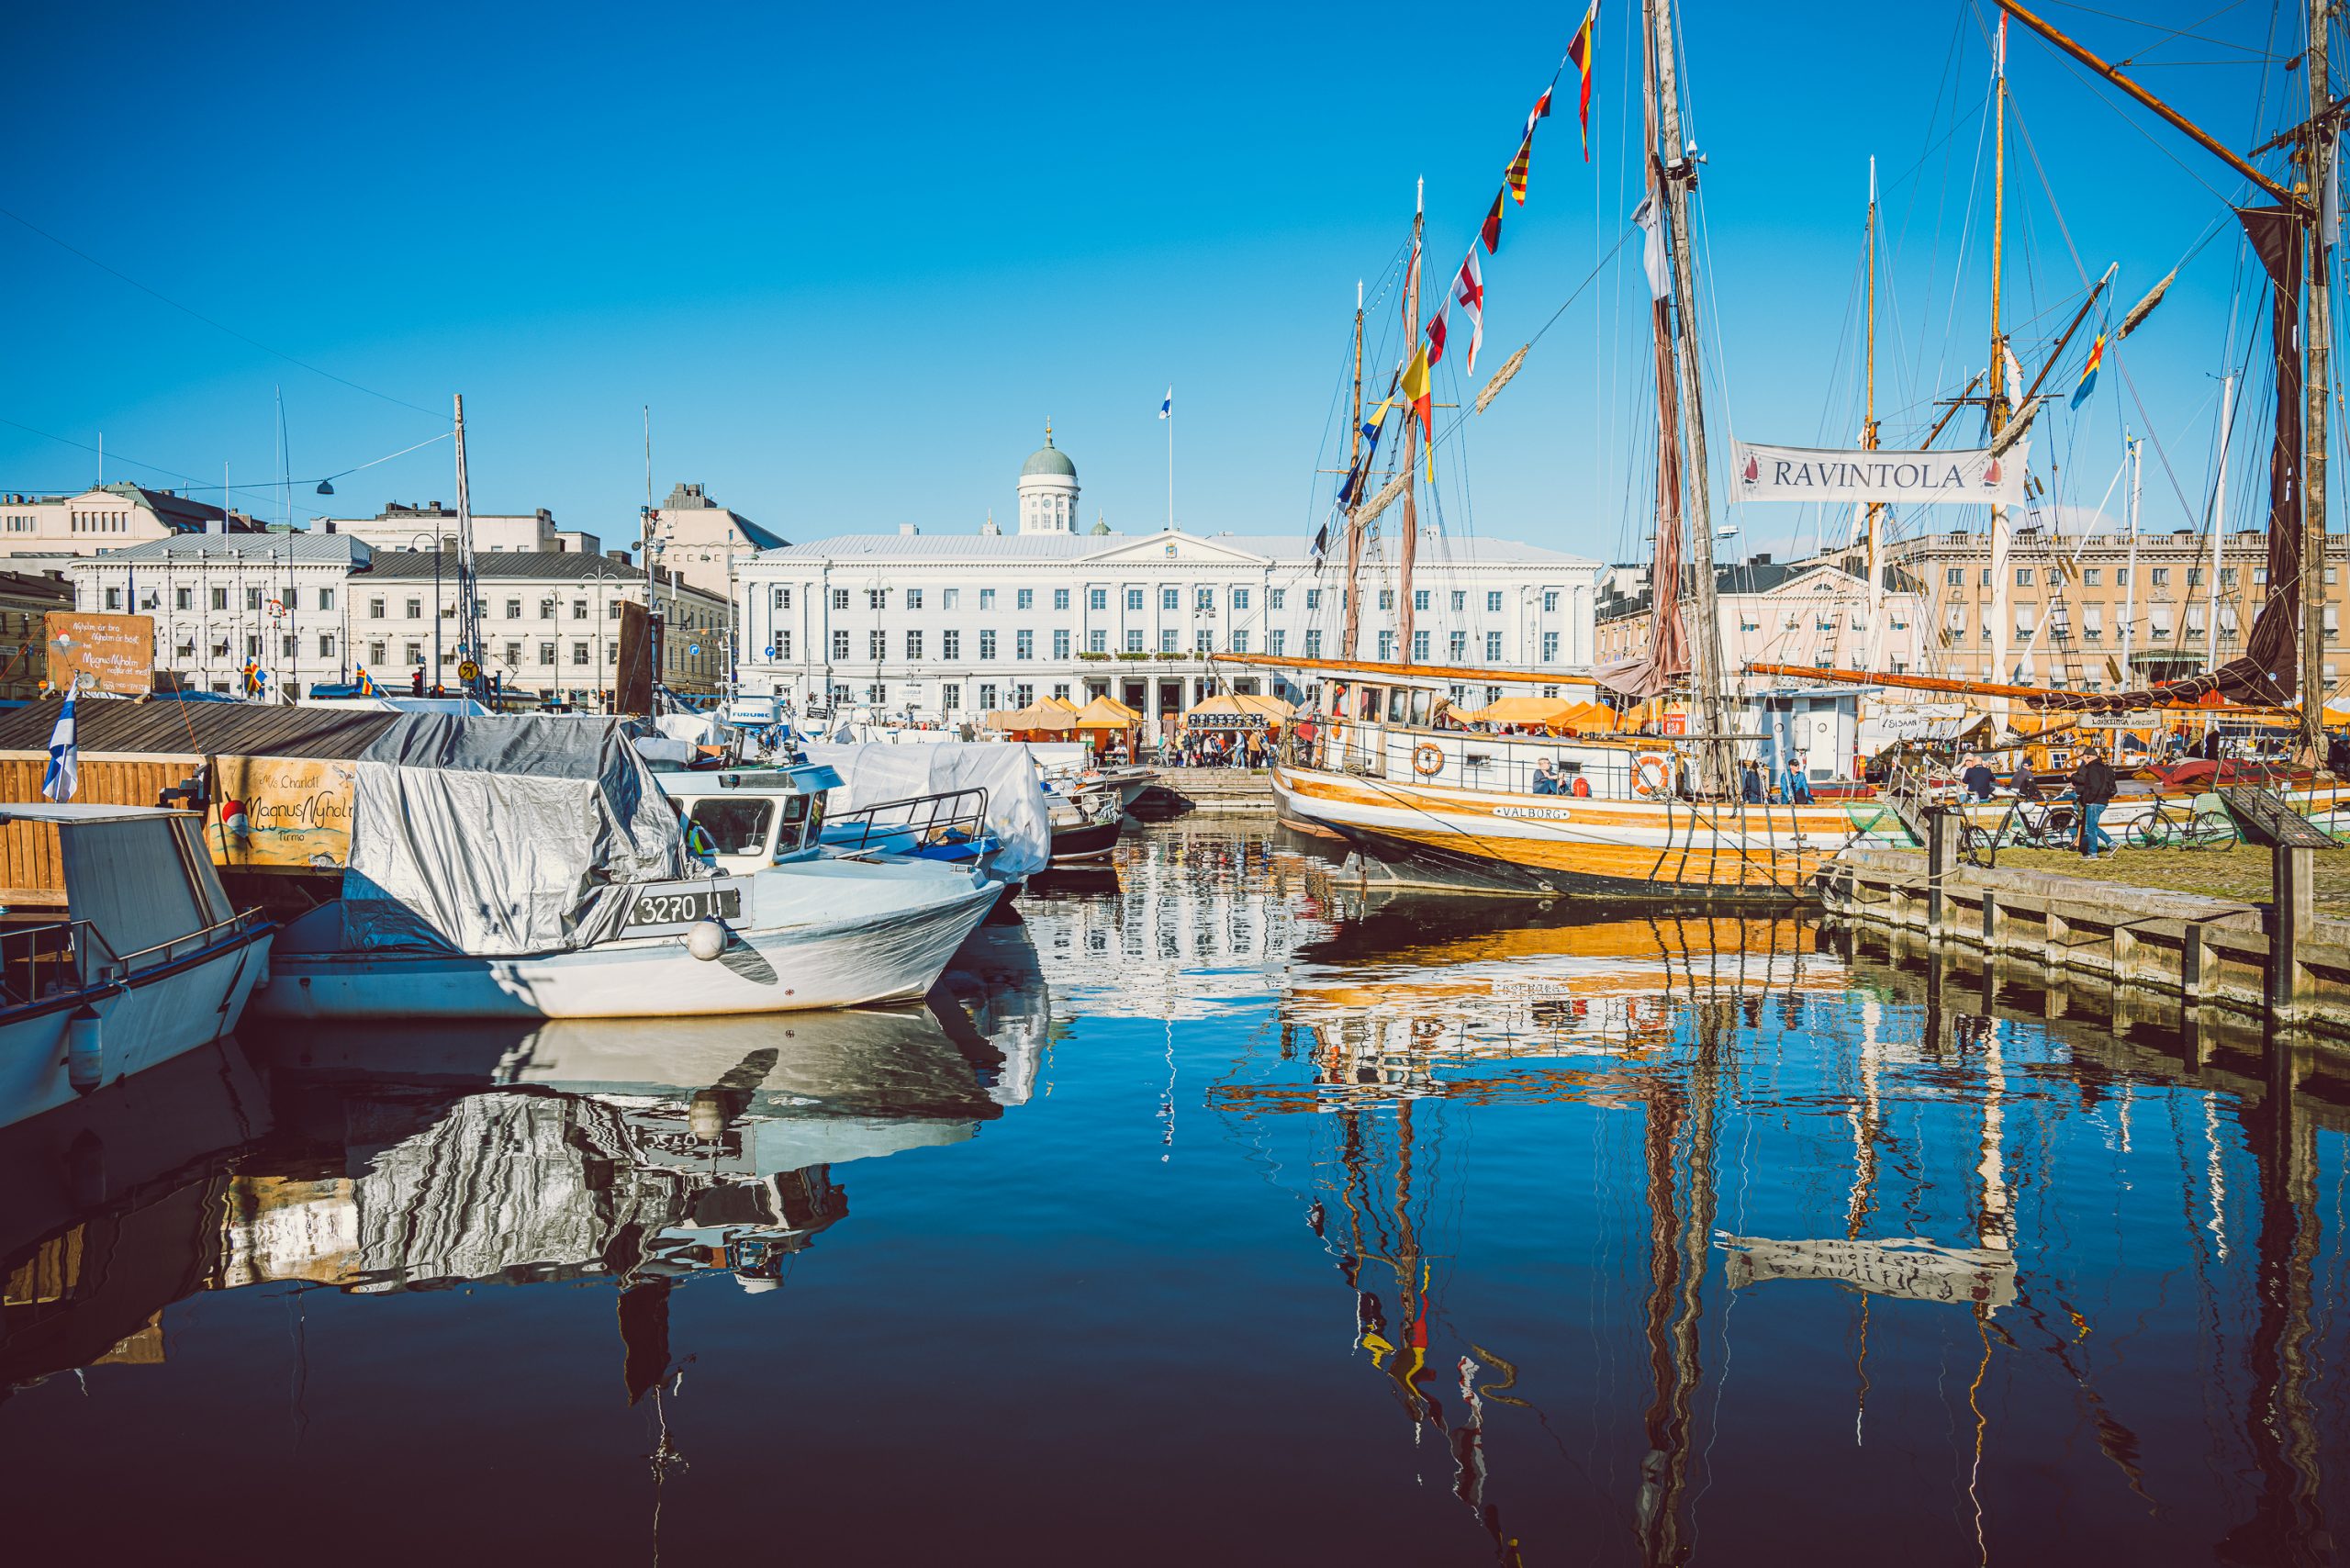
{"points": [[312, 608], [2097, 612], [697, 538], [415, 525], [107, 517], [1813, 612], [948, 626]]}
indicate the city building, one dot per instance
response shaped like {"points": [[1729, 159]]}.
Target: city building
{"points": [[550, 621], [1812, 612], [414, 526], [107, 517], [2095, 611], [311, 609], [946, 625], [696, 538]]}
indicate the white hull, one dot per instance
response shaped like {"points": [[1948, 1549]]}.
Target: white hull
{"points": [[837, 957], [167, 1012]]}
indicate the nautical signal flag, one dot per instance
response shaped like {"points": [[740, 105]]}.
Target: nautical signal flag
{"points": [[1469, 292], [2088, 371], [1420, 397], [1524, 159], [1492, 233], [1579, 56], [1436, 333]]}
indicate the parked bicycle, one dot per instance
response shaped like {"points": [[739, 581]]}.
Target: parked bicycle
{"points": [[2169, 824]]}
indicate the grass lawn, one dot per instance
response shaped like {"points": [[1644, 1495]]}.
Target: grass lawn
{"points": [[2238, 872]]}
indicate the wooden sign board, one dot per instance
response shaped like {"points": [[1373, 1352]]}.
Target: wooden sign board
{"points": [[101, 652], [281, 813]]}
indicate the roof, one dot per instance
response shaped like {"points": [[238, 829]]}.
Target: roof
{"points": [[1049, 459], [332, 549], [208, 729], [684, 497], [1012, 548], [552, 566], [69, 812]]}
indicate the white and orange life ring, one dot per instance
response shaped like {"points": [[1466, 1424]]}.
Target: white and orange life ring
{"points": [[1652, 774], [1427, 759]]}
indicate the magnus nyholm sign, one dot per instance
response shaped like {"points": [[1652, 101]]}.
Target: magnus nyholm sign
{"points": [[1903, 478]]}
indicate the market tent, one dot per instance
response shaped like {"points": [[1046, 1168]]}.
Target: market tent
{"points": [[1037, 718], [1596, 716], [1548, 711], [1063, 703], [1243, 705], [1106, 714]]}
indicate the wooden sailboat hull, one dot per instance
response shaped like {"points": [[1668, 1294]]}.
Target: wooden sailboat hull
{"points": [[1564, 846]]}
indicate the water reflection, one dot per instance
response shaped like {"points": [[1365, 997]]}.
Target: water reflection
{"points": [[1531, 1233]]}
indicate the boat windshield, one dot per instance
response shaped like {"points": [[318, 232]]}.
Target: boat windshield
{"points": [[737, 825]]}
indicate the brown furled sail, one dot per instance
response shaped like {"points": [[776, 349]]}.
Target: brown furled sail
{"points": [[2266, 673], [1666, 659]]}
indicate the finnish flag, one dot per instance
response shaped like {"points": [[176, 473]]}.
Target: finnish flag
{"points": [[64, 758], [1166, 409]]}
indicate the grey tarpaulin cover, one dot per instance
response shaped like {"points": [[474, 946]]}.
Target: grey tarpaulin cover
{"points": [[1018, 812], [501, 835]]}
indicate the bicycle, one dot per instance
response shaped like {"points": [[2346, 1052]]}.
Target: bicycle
{"points": [[2167, 824]]}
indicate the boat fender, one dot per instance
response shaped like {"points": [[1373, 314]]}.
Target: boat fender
{"points": [[1652, 774], [85, 1059], [1427, 759], [705, 939]]}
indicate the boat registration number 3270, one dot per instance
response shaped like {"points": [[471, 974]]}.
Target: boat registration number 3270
{"points": [[682, 903]]}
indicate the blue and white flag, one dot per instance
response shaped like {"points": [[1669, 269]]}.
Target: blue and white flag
{"points": [[1166, 409], [64, 758]]}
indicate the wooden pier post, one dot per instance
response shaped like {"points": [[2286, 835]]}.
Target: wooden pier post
{"points": [[1941, 865], [2293, 878]]}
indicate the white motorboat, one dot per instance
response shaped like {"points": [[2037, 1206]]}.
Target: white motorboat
{"points": [[497, 872], [120, 949]]}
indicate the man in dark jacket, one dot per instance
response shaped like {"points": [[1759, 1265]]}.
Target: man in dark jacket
{"points": [[1977, 778], [2027, 782], [2337, 754], [2093, 784]]}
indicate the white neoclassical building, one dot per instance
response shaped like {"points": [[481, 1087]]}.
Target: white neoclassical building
{"points": [[945, 625]]}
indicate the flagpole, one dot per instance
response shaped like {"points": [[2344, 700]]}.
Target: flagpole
{"points": [[1171, 460]]}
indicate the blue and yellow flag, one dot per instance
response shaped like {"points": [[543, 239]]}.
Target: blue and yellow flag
{"points": [[2088, 371]]}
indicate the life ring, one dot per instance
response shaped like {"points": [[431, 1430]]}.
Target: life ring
{"points": [[1427, 759], [1652, 774]]}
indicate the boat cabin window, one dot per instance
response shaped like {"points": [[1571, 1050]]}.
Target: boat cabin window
{"points": [[798, 826], [1420, 702], [1370, 705], [735, 824]]}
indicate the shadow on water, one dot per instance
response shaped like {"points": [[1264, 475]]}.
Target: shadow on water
{"points": [[1531, 1233]]}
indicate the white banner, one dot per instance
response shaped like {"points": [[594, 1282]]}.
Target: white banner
{"points": [[1904, 478]]}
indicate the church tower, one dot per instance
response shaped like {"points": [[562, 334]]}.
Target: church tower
{"points": [[1048, 491]]}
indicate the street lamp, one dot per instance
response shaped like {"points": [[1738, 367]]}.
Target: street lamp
{"points": [[604, 582], [436, 607]]}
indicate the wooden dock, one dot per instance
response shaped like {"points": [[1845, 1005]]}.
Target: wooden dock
{"points": [[2279, 961], [1217, 788]]}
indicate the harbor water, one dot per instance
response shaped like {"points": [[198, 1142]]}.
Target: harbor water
{"points": [[1216, 1211]]}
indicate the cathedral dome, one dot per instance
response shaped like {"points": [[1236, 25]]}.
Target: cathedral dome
{"points": [[1049, 459]]}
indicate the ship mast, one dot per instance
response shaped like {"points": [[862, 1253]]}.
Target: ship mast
{"points": [[1869, 651], [1411, 541], [2315, 154], [1718, 767], [1351, 597], [1998, 392]]}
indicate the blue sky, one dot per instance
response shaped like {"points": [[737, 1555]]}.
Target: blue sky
{"points": [[854, 258]]}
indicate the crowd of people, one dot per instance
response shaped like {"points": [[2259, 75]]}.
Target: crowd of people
{"points": [[2093, 784], [1217, 748], [1788, 783]]}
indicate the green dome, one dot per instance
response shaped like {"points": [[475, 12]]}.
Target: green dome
{"points": [[1049, 459]]}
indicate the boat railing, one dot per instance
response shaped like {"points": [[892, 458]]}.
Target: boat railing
{"points": [[194, 941], [40, 961], [919, 821]]}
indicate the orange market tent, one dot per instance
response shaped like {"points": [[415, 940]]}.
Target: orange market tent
{"points": [[1592, 716], [1545, 712], [1039, 718], [1107, 713], [1063, 703]]}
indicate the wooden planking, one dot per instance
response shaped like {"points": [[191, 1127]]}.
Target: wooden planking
{"points": [[31, 869]]}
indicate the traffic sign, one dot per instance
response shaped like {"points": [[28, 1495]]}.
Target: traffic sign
{"points": [[469, 671]]}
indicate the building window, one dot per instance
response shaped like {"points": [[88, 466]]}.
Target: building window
{"points": [[1203, 641], [782, 599], [252, 645], [579, 655], [376, 652], [986, 696], [1240, 642], [547, 608], [546, 653], [987, 645], [877, 599], [1167, 641], [1133, 641], [1276, 598], [950, 697], [948, 598], [416, 610], [114, 599], [182, 598], [1276, 642], [1386, 647], [1239, 599], [914, 599], [326, 644], [782, 645], [1420, 646], [1134, 599], [2194, 576], [1024, 696], [513, 655], [1386, 598], [2092, 575], [580, 610], [877, 644], [1061, 598], [1313, 640], [1460, 601], [1204, 599], [1549, 648], [840, 647], [950, 644], [1492, 647], [1455, 646], [840, 599], [2161, 576], [1024, 644], [986, 599], [914, 645], [1168, 599], [289, 647], [1493, 601], [1419, 599], [1060, 645], [219, 599], [1097, 641]]}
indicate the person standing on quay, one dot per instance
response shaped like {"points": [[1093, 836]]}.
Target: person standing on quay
{"points": [[2093, 784]]}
